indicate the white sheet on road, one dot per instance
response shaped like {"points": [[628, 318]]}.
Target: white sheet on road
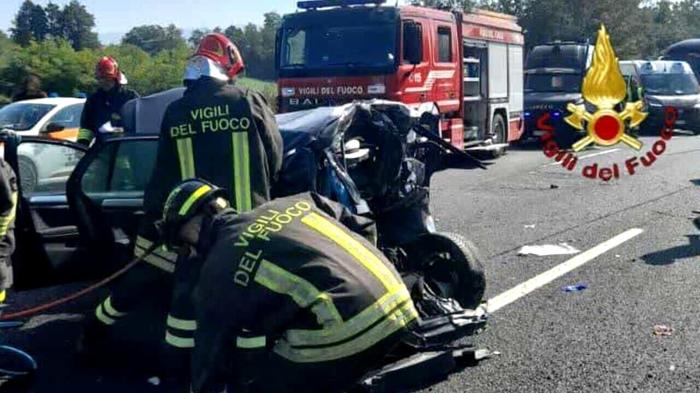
{"points": [[548, 249]]}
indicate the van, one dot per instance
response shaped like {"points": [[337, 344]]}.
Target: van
{"points": [[666, 83], [554, 74]]}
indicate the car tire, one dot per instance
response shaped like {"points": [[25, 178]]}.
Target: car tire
{"points": [[500, 134], [28, 174], [451, 266]]}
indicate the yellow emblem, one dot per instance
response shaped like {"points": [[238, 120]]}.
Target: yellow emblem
{"points": [[604, 87]]}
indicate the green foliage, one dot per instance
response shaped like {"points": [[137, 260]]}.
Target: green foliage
{"points": [[77, 25], [72, 23], [154, 38], [61, 69], [22, 30]]}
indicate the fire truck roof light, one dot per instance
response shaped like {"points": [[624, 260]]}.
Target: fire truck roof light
{"points": [[308, 5]]}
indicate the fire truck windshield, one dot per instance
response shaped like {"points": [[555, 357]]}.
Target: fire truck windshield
{"points": [[337, 45]]}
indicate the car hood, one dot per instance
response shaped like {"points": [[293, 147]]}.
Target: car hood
{"points": [[688, 101], [549, 101]]}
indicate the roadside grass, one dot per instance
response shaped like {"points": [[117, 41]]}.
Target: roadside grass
{"points": [[267, 89]]}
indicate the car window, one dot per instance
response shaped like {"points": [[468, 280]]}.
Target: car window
{"points": [[121, 169], [22, 116], [44, 167], [68, 117]]}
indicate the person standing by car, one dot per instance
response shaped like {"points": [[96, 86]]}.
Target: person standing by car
{"points": [[31, 89], [289, 297], [101, 116], [8, 208], [218, 132]]}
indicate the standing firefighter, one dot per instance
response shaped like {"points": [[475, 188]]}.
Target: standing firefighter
{"points": [[287, 297], [8, 208], [101, 117], [218, 132]]}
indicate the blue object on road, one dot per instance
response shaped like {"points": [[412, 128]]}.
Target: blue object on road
{"points": [[574, 288]]}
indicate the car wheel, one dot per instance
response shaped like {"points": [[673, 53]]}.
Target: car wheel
{"points": [[28, 175], [500, 135], [451, 266]]}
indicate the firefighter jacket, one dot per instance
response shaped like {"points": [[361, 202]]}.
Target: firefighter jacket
{"points": [[100, 108], [8, 208], [216, 132], [293, 277]]}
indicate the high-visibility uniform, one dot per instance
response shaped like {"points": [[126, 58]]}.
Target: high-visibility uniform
{"points": [[291, 299], [100, 108], [217, 132], [8, 209]]}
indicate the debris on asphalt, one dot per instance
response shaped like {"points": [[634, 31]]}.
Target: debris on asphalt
{"points": [[662, 330], [553, 186], [530, 226], [155, 381], [548, 249], [617, 255], [574, 288], [672, 368]]}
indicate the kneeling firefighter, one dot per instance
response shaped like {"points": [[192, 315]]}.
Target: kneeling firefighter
{"points": [[287, 297]]}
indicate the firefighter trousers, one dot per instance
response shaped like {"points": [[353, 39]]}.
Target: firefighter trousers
{"points": [[168, 293], [274, 373]]}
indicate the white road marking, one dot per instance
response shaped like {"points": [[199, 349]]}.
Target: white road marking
{"points": [[586, 156], [515, 293]]}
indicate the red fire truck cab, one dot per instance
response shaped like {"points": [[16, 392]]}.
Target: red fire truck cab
{"points": [[468, 68]]}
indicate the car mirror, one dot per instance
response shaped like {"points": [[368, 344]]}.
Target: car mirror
{"points": [[54, 127]]}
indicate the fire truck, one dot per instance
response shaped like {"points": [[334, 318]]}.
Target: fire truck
{"points": [[465, 67]]}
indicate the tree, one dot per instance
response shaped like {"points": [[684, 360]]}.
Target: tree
{"points": [[39, 23], [154, 38], [77, 24], [22, 30], [54, 20], [197, 36]]}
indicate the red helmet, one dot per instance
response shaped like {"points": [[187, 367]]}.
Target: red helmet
{"points": [[107, 67], [218, 48]]}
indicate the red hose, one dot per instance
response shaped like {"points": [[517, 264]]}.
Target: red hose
{"points": [[73, 296]]}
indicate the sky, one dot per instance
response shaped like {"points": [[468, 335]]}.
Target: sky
{"points": [[114, 17]]}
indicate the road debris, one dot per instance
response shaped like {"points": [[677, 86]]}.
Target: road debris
{"points": [[617, 255], [530, 226], [574, 288], [548, 249], [155, 381], [662, 330], [553, 186], [672, 368]]}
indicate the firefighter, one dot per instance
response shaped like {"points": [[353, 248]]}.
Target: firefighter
{"points": [[101, 116], [8, 208], [218, 132], [287, 297]]}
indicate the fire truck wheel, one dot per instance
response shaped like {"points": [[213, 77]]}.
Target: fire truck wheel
{"points": [[500, 135], [451, 266]]}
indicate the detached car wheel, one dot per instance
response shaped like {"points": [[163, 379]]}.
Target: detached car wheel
{"points": [[28, 175], [451, 267]]}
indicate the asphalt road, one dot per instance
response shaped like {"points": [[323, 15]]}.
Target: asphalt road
{"points": [[599, 339]]}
